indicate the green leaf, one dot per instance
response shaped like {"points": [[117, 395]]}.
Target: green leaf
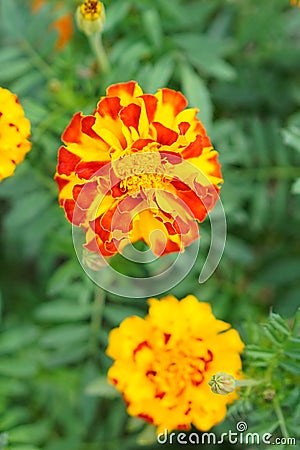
{"points": [[15, 69], [160, 74], [62, 277], [205, 53], [152, 26], [115, 13], [17, 338], [19, 368], [65, 335], [62, 311], [255, 352], [291, 137], [296, 187], [290, 366], [31, 433], [101, 388], [197, 94], [66, 356]]}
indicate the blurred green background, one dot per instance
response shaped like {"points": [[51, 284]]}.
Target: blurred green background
{"points": [[239, 61]]}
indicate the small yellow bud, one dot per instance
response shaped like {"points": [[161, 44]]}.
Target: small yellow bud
{"points": [[222, 383], [90, 17]]}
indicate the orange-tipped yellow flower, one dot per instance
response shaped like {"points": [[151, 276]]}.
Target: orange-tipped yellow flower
{"points": [[158, 174], [14, 131], [163, 363]]}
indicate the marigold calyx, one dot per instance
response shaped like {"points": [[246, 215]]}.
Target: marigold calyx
{"points": [[222, 383]]}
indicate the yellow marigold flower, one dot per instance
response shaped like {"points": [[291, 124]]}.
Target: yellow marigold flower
{"points": [[14, 131], [90, 16], [158, 173], [163, 363]]}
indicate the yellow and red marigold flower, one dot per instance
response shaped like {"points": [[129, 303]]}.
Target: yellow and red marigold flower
{"points": [[14, 131], [157, 171], [163, 363]]}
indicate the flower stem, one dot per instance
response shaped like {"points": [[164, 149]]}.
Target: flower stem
{"points": [[243, 383], [96, 44], [280, 418], [96, 319]]}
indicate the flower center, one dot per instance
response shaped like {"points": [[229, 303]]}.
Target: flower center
{"points": [[91, 9], [140, 171], [178, 367]]}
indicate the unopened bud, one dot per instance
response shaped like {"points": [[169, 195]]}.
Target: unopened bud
{"points": [[90, 17], [222, 383]]}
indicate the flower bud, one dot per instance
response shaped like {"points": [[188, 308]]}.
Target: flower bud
{"points": [[90, 17], [222, 383]]}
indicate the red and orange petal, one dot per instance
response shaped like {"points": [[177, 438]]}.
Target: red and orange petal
{"points": [[178, 183], [162, 364], [14, 133]]}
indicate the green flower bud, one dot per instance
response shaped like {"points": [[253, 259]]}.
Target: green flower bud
{"points": [[222, 383], [90, 17]]}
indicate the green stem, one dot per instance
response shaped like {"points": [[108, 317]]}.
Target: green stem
{"points": [[244, 383], [95, 41], [280, 418], [96, 319]]}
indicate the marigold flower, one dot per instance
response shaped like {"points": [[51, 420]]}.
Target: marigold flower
{"points": [[163, 363], [158, 174], [14, 131], [63, 24]]}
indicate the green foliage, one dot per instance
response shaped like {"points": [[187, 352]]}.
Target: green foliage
{"points": [[239, 63], [273, 359]]}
